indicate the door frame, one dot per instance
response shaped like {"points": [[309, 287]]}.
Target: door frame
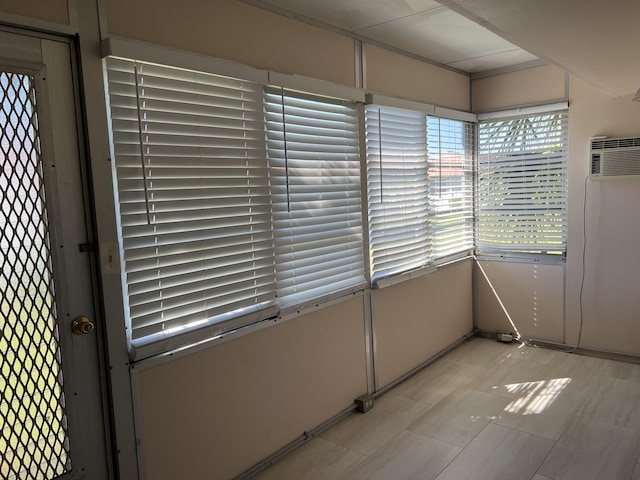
{"points": [[84, 37]]}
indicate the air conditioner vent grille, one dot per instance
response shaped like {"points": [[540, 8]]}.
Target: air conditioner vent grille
{"points": [[615, 157], [609, 143], [622, 163]]}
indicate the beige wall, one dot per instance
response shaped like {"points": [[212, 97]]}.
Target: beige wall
{"points": [[531, 294], [236, 403], [611, 297], [530, 86], [52, 10], [216, 413], [236, 31], [394, 74], [417, 319]]}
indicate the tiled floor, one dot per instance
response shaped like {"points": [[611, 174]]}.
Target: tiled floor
{"points": [[488, 411]]}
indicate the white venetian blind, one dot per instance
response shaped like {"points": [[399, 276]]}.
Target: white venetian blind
{"points": [[397, 190], [314, 166], [450, 147], [193, 196], [522, 184]]}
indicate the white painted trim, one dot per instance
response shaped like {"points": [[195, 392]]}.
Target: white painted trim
{"points": [[396, 102], [137, 420], [312, 85], [98, 146], [529, 110], [148, 52], [455, 114], [103, 22]]}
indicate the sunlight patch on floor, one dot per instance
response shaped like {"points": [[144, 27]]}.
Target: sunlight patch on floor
{"points": [[535, 397]]}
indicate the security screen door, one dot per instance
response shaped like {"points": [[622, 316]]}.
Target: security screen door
{"points": [[51, 408]]}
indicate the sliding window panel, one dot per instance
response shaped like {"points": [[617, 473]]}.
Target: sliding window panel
{"points": [[522, 184], [450, 162], [314, 166], [397, 186], [193, 198]]}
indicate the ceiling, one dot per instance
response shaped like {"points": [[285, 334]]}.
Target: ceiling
{"points": [[581, 36]]}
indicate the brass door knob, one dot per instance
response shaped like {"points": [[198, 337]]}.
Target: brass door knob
{"points": [[82, 326]]}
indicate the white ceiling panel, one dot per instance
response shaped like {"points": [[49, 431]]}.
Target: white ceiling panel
{"points": [[440, 35], [419, 27], [595, 40], [352, 15]]}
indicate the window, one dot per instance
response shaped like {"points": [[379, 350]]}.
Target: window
{"points": [[314, 164], [420, 188], [399, 239], [235, 201], [522, 184], [450, 162], [193, 196]]}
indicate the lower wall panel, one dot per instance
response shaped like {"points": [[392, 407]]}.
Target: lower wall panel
{"points": [[531, 293], [417, 319], [217, 412]]}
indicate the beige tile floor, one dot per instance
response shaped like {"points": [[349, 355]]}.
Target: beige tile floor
{"points": [[488, 411]]}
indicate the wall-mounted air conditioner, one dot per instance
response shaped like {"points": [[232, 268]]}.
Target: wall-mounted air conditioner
{"points": [[615, 157]]}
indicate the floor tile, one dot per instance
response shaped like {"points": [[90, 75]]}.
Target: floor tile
{"points": [[459, 417], [590, 450], [431, 387], [544, 410], [499, 453], [527, 353], [408, 456], [488, 411], [317, 460], [583, 371], [365, 433], [480, 352], [622, 371], [510, 378], [614, 401]]}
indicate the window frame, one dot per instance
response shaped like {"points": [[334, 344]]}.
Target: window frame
{"points": [[425, 112], [236, 322], [531, 255]]}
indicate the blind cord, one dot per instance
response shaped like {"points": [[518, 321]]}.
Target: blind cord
{"points": [[144, 169], [380, 154], [286, 153]]}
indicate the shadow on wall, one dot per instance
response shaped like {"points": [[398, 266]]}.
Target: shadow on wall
{"points": [[523, 298]]}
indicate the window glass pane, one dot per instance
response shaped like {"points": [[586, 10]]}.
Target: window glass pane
{"points": [[522, 184], [450, 163]]}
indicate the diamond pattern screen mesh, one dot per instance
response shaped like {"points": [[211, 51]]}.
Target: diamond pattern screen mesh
{"points": [[33, 438]]}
